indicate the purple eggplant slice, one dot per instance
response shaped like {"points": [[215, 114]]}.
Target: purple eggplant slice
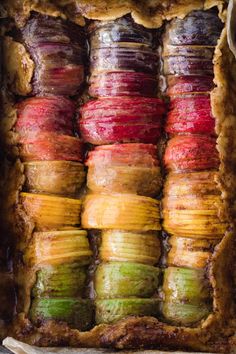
{"points": [[122, 30], [197, 28], [121, 58], [58, 49]]}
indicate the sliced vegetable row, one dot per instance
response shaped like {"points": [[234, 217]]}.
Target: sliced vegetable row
{"points": [[123, 178], [58, 251], [122, 59], [192, 205]]}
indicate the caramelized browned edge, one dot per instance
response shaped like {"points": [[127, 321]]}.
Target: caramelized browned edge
{"points": [[216, 333]]}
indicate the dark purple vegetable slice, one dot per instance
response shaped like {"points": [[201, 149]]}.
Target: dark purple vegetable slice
{"points": [[120, 58], [179, 85], [197, 28], [124, 29], [182, 65], [57, 48], [195, 51]]}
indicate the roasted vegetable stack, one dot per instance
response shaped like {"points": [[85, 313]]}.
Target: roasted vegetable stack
{"points": [[192, 205], [122, 59], [57, 48], [123, 178], [159, 274], [58, 251]]}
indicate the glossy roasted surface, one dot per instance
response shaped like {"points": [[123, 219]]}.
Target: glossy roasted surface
{"points": [[216, 334]]}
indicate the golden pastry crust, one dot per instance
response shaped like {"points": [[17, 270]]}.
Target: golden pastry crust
{"points": [[20, 10], [216, 333], [19, 69], [150, 13]]}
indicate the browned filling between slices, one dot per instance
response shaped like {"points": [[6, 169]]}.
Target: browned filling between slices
{"points": [[192, 302]]}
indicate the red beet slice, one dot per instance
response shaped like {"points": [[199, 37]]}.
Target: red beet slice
{"points": [[178, 85], [119, 119], [190, 114], [122, 83], [191, 153], [44, 114]]}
